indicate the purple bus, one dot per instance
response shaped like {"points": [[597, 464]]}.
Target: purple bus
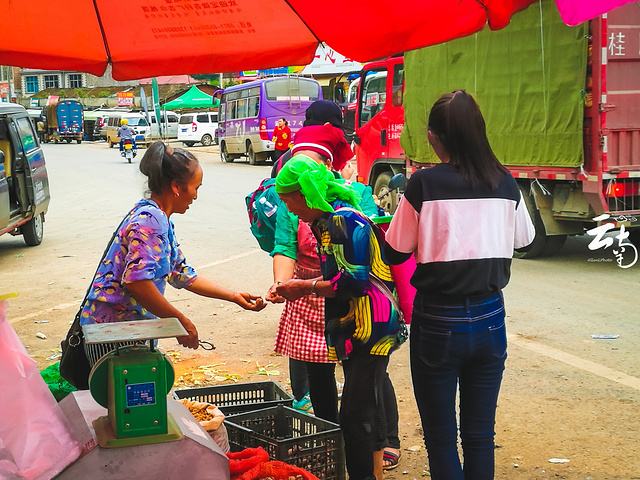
{"points": [[249, 112]]}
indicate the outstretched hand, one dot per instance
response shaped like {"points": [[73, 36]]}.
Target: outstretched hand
{"points": [[272, 295], [293, 289], [249, 302]]}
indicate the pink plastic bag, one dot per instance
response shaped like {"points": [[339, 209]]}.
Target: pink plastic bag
{"points": [[574, 12], [35, 442]]}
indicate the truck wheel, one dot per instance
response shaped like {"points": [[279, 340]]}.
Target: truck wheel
{"points": [[68, 140], [224, 154], [110, 143], [553, 245], [206, 140], [251, 154], [388, 200], [78, 142], [189, 144], [33, 230]]}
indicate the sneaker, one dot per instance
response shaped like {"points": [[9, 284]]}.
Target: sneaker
{"points": [[304, 404]]}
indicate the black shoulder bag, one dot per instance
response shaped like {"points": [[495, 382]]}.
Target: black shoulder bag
{"points": [[74, 364]]}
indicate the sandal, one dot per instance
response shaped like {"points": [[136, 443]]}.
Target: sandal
{"points": [[391, 460]]}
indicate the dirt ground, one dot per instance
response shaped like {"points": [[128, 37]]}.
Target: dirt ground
{"points": [[564, 395]]}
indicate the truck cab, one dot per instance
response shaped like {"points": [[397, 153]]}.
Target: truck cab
{"points": [[379, 120], [24, 185]]}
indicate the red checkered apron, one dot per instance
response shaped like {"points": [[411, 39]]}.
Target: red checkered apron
{"points": [[301, 328]]}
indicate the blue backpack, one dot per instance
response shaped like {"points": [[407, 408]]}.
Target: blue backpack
{"points": [[262, 208]]}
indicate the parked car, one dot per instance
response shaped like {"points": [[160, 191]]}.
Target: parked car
{"points": [[24, 185], [169, 124], [137, 122], [198, 127]]}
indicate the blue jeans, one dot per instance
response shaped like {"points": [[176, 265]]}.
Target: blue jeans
{"points": [[461, 344]]}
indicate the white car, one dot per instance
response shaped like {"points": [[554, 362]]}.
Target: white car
{"points": [[169, 124], [198, 127]]}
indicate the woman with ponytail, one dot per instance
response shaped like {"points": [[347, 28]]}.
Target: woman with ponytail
{"points": [[462, 219], [144, 254]]}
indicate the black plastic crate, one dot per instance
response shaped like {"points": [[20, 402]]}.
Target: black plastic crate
{"points": [[239, 397], [292, 437]]}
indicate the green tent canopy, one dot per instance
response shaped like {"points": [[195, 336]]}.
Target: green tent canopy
{"points": [[192, 98]]}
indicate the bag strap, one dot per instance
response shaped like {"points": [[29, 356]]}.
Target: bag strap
{"points": [[104, 254]]}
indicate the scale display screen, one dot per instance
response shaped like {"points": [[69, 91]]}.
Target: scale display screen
{"points": [[141, 394]]}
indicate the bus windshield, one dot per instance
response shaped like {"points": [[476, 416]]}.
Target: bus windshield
{"points": [[286, 89]]}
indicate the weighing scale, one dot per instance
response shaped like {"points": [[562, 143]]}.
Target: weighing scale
{"points": [[127, 407], [132, 383]]}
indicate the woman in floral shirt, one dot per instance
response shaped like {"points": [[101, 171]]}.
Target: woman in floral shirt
{"points": [[144, 254]]}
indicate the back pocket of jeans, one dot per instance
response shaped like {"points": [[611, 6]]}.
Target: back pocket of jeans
{"points": [[434, 347], [498, 334]]}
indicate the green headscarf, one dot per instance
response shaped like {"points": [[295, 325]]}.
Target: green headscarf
{"points": [[315, 182]]}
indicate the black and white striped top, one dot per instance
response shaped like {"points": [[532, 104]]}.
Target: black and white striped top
{"points": [[463, 238]]}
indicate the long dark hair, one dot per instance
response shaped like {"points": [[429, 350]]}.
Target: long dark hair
{"points": [[457, 121], [163, 164]]}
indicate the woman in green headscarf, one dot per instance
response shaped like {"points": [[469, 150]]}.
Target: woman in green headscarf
{"points": [[362, 325]]}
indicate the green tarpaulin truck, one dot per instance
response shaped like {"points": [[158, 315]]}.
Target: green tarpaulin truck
{"points": [[561, 104]]}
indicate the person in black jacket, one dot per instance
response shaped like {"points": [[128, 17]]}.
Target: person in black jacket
{"points": [[462, 220]]}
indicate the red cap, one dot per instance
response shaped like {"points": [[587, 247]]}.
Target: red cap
{"points": [[325, 140]]}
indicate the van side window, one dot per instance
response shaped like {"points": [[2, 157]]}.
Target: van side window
{"points": [[202, 118], [214, 118], [172, 118], [26, 133]]}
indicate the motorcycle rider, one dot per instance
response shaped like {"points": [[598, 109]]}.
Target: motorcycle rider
{"points": [[126, 133]]}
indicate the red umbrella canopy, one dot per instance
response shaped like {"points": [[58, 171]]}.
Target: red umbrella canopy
{"points": [[165, 37]]}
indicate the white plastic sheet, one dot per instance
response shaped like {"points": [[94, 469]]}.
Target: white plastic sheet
{"points": [[35, 443]]}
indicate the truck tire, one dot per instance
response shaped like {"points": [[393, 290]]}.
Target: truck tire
{"points": [[69, 140], [251, 154], [33, 230], [389, 202], [189, 144], [553, 245], [206, 140], [224, 154], [78, 142]]}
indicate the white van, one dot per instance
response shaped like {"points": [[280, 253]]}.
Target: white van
{"points": [[198, 127], [169, 124], [137, 122]]}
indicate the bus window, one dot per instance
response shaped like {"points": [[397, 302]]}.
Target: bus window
{"points": [[243, 103], [254, 106], [232, 110]]}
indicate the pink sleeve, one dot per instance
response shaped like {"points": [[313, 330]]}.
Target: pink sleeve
{"points": [[402, 235]]}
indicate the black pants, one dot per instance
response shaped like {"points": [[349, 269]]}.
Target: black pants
{"points": [[321, 381], [299, 378], [391, 412], [362, 412]]}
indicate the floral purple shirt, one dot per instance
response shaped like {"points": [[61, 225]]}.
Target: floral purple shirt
{"points": [[145, 248]]}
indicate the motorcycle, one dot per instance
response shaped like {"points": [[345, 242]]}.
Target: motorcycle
{"points": [[128, 149]]}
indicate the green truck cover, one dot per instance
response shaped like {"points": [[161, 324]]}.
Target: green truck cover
{"points": [[529, 80]]}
